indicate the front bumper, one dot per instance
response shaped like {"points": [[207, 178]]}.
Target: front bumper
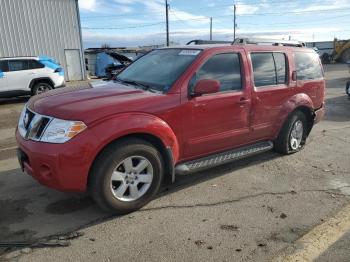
{"points": [[319, 114], [64, 167]]}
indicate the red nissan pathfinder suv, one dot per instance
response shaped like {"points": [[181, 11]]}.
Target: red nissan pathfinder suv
{"points": [[174, 111]]}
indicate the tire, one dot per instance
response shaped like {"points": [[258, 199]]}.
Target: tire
{"points": [[326, 58], [107, 192], [348, 88], [40, 88], [345, 57], [285, 143]]}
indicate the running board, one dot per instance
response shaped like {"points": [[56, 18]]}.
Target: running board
{"points": [[222, 158]]}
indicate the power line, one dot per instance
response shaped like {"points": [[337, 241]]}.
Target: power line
{"points": [[216, 7], [207, 18], [299, 22], [124, 27]]}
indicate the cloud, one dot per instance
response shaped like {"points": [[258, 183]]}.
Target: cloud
{"points": [[95, 39], [88, 5], [243, 9], [326, 5]]}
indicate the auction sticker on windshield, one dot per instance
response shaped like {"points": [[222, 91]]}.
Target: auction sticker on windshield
{"points": [[190, 52]]}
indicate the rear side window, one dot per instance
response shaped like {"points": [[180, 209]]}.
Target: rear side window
{"points": [[223, 67], [308, 66], [281, 67], [33, 64], [4, 66], [18, 65], [269, 69]]}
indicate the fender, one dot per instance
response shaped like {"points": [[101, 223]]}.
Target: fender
{"points": [[118, 126], [296, 101], [40, 79]]}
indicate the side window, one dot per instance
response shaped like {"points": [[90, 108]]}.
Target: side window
{"points": [[18, 65], [223, 67], [308, 66], [33, 64], [4, 66], [281, 67], [264, 69], [269, 69]]}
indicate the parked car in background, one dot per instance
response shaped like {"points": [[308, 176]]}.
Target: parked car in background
{"points": [[173, 111], [109, 64], [29, 75]]}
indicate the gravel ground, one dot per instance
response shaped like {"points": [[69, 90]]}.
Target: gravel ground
{"points": [[250, 210]]}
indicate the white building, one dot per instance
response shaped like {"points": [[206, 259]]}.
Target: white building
{"points": [[43, 28]]}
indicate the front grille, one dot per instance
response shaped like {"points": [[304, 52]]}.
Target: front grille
{"points": [[32, 125]]}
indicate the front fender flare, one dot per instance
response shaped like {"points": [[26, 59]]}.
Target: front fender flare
{"points": [[121, 125]]}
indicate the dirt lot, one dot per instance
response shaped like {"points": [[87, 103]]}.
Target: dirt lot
{"points": [[256, 209]]}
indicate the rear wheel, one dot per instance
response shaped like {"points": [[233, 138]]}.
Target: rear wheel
{"points": [[293, 135], [348, 88], [126, 176], [345, 57], [40, 88]]}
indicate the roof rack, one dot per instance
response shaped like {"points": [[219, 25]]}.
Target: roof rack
{"points": [[207, 42], [261, 41]]}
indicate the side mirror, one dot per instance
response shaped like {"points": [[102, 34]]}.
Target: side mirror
{"points": [[206, 86], [294, 76]]}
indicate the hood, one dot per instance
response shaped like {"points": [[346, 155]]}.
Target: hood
{"points": [[87, 103]]}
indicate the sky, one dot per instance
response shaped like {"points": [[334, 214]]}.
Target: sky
{"points": [[132, 23]]}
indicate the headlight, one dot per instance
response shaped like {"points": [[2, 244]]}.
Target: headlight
{"points": [[60, 131]]}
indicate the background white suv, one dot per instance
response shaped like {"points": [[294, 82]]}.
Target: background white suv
{"points": [[29, 75]]}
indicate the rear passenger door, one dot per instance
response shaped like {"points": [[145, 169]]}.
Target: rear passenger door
{"points": [[271, 88], [19, 75]]}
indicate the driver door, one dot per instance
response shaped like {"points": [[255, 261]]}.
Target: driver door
{"points": [[219, 121]]}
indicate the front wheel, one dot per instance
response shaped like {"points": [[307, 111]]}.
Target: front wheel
{"points": [[348, 88], [126, 176], [293, 135], [40, 88]]}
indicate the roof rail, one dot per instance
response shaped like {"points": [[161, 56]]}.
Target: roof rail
{"points": [[206, 42], [274, 42]]}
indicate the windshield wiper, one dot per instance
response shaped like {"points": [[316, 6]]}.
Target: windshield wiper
{"points": [[136, 83]]}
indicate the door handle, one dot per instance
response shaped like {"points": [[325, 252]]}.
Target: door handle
{"points": [[243, 101]]}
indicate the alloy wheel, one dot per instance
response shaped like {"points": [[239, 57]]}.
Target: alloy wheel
{"points": [[132, 178]]}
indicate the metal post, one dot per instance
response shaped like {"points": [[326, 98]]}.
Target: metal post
{"points": [[167, 22], [211, 28], [234, 22]]}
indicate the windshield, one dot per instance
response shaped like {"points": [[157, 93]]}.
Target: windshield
{"points": [[159, 69]]}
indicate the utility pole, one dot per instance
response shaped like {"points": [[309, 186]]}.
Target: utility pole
{"points": [[211, 28], [167, 22], [234, 22]]}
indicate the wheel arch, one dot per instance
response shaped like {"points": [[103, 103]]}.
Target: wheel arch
{"points": [[142, 126], [165, 151], [39, 80], [300, 102]]}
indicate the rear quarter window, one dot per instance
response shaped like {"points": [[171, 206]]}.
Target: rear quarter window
{"points": [[308, 66], [33, 64]]}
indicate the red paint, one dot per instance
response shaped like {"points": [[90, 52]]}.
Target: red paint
{"points": [[190, 126]]}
